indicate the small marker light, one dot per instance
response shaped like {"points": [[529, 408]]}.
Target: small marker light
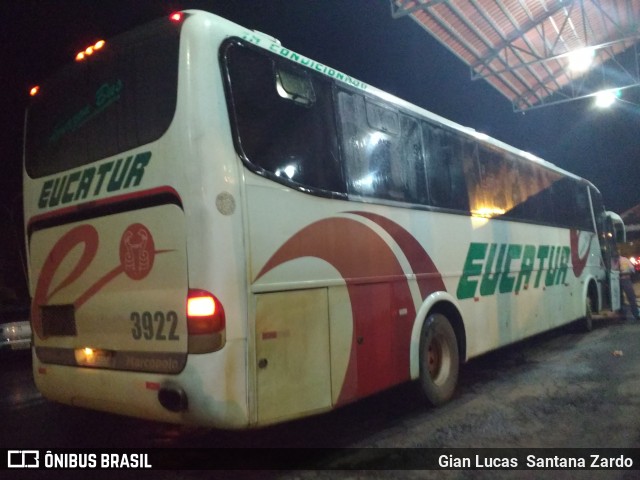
{"points": [[89, 50], [176, 17], [34, 91]]}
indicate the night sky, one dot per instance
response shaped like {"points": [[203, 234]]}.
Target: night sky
{"points": [[358, 37]]}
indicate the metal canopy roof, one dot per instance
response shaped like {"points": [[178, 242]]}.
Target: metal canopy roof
{"points": [[523, 47]]}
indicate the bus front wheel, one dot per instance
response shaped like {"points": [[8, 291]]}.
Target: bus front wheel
{"points": [[439, 359]]}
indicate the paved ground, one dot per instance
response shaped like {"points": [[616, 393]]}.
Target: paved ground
{"points": [[561, 389]]}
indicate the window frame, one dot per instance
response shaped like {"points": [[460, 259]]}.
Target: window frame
{"points": [[232, 113]]}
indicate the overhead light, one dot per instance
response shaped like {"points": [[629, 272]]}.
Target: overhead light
{"points": [[606, 98], [581, 60]]}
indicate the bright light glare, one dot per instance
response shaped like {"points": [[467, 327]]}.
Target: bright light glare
{"points": [[480, 135], [487, 212], [290, 171], [366, 181], [581, 60], [606, 98], [34, 91], [201, 307], [374, 139], [88, 351]]}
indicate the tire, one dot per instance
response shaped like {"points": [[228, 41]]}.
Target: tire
{"points": [[587, 321], [439, 359]]}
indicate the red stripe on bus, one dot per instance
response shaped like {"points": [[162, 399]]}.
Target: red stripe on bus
{"points": [[428, 277], [377, 286], [102, 202]]}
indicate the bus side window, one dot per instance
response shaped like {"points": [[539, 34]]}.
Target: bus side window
{"points": [[583, 208], [536, 203], [411, 172], [375, 164], [284, 120], [383, 151], [496, 183], [445, 174], [471, 167], [563, 192], [352, 113], [524, 192], [598, 209]]}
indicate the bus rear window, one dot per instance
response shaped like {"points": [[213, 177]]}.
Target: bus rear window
{"points": [[121, 97]]}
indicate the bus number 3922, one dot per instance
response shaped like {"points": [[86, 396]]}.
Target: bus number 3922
{"points": [[154, 326]]}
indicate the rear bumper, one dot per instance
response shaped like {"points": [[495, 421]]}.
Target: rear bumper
{"points": [[215, 392]]}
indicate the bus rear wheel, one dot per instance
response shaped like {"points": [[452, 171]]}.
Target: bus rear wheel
{"points": [[587, 320], [439, 359]]}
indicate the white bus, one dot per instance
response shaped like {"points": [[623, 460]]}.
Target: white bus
{"points": [[224, 232]]}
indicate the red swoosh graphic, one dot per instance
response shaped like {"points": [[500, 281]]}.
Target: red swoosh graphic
{"points": [[578, 263], [85, 235], [428, 276], [382, 306]]}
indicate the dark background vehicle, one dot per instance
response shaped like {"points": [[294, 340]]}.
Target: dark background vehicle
{"points": [[15, 328]]}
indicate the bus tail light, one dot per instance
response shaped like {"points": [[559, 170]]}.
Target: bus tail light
{"points": [[205, 322]]}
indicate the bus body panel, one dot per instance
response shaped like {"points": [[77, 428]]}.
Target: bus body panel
{"points": [[193, 168], [526, 281], [116, 284]]}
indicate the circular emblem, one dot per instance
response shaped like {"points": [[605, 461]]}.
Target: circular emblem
{"points": [[137, 251], [225, 203]]}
